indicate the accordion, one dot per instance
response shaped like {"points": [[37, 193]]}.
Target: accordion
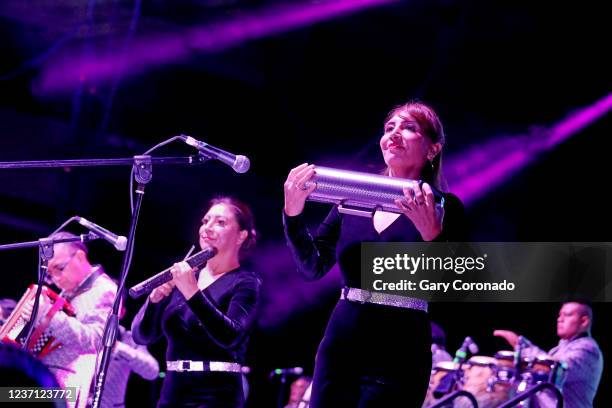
{"points": [[14, 329]]}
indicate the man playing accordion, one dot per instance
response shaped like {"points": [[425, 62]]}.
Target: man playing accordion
{"points": [[76, 336]]}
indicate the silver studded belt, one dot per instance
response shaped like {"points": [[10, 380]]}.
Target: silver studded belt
{"points": [[189, 365], [365, 296]]}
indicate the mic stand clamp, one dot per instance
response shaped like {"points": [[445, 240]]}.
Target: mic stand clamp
{"points": [[143, 169]]}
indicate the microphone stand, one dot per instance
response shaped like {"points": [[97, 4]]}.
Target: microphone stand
{"points": [[46, 245], [456, 376], [280, 403], [45, 164], [518, 357], [143, 173], [142, 168]]}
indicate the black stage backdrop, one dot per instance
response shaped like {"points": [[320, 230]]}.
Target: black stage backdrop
{"points": [[318, 93]]}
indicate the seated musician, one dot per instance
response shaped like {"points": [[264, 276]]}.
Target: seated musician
{"points": [[91, 293], [577, 349]]}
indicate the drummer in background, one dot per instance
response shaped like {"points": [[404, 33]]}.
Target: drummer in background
{"points": [[577, 349]]}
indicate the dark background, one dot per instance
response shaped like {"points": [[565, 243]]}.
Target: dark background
{"points": [[317, 93]]}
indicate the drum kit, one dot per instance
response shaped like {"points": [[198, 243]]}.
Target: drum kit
{"points": [[491, 380]]}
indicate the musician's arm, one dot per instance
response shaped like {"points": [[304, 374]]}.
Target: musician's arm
{"points": [[137, 357], [583, 359], [228, 328], [314, 256], [530, 350], [146, 326], [85, 330], [454, 224]]}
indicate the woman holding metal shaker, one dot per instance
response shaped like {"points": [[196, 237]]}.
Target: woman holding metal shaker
{"points": [[365, 358]]}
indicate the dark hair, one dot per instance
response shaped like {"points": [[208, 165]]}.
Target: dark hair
{"points": [[586, 308], [430, 126], [20, 367], [75, 245], [244, 218]]}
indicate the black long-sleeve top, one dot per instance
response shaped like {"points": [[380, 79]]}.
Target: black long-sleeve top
{"points": [[213, 325], [339, 238]]}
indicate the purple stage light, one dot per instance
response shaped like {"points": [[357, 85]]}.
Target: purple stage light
{"points": [[286, 293], [475, 172], [64, 72]]}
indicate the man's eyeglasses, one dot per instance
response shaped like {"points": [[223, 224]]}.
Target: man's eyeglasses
{"points": [[59, 268]]}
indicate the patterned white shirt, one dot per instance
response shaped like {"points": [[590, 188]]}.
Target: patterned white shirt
{"points": [[74, 362], [127, 357], [584, 369]]}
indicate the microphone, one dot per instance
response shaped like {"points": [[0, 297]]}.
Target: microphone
{"points": [[239, 163], [90, 236], [287, 371], [521, 344], [461, 353], [118, 241], [164, 276], [447, 382]]}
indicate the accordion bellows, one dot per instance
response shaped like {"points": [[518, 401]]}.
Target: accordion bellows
{"points": [[14, 329]]}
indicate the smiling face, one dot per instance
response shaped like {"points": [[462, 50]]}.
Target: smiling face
{"points": [[404, 147], [220, 229]]}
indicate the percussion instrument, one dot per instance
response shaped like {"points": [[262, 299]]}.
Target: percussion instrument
{"points": [[493, 380], [439, 372], [14, 329], [506, 365], [359, 193], [546, 368], [479, 374]]}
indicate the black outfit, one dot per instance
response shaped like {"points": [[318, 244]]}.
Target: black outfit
{"points": [[214, 325], [371, 355]]}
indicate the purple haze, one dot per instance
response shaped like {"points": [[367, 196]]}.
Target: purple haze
{"points": [[65, 72]]}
